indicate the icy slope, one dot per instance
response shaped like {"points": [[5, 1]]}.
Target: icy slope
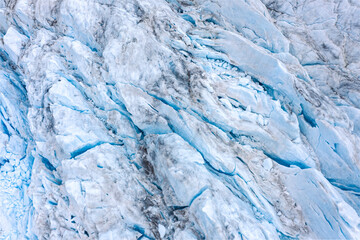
{"points": [[154, 119]]}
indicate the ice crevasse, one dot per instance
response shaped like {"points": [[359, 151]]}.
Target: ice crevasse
{"points": [[179, 119]]}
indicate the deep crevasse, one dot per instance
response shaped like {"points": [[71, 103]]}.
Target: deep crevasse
{"points": [[179, 119]]}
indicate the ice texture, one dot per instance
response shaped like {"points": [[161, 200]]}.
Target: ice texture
{"points": [[179, 119]]}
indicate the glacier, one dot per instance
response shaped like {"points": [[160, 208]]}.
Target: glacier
{"points": [[180, 119]]}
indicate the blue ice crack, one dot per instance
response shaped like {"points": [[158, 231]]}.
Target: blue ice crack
{"points": [[89, 146], [47, 163], [202, 190]]}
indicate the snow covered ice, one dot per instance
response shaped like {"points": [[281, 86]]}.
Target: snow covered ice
{"points": [[180, 119]]}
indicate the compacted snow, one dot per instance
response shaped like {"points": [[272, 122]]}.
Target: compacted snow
{"points": [[180, 119]]}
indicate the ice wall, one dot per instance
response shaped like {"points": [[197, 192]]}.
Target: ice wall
{"points": [[179, 119]]}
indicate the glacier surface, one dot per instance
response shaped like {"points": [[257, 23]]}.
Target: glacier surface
{"points": [[180, 119]]}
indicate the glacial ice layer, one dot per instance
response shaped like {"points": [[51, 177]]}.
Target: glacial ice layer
{"points": [[180, 119]]}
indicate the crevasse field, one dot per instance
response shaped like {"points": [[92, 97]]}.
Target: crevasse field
{"points": [[180, 119]]}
